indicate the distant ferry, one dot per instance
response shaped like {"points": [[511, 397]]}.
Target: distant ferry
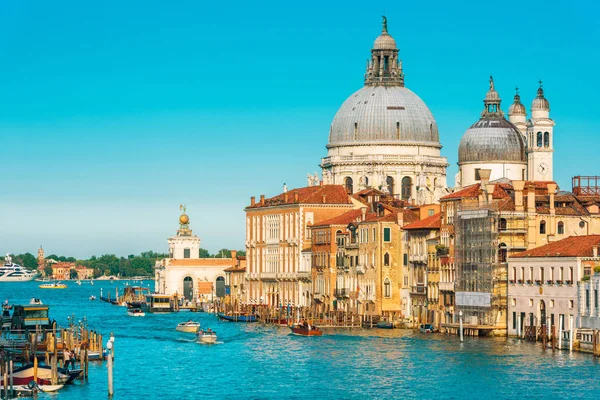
{"points": [[11, 272]]}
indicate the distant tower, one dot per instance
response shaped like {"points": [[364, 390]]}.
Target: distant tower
{"points": [[539, 140], [41, 259]]}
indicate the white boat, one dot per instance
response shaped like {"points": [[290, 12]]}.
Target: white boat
{"points": [[53, 285], [135, 312], [189, 326], [35, 301], [207, 336], [92, 297], [78, 282], [11, 272]]}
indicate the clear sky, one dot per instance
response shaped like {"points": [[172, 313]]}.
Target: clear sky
{"points": [[113, 113]]}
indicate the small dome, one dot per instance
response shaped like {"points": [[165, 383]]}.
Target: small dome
{"points": [[384, 42], [184, 219], [492, 140], [517, 108], [540, 103]]}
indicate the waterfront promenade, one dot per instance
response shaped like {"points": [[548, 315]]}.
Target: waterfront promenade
{"points": [[254, 361]]}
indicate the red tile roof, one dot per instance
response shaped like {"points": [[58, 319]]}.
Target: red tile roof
{"points": [[574, 246], [433, 222], [344, 219], [334, 194]]}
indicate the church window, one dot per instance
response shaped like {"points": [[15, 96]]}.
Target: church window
{"points": [[477, 177], [542, 227], [397, 130], [546, 139], [502, 224], [348, 184], [390, 184], [561, 228], [539, 139], [355, 130], [406, 188], [387, 288], [186, 253], [386, 259]]}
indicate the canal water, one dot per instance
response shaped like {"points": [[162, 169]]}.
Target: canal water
{"points": [[252, 361]]}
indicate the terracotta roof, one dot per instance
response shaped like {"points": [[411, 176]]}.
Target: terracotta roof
{"points": [[573, 246], [473, 192], [235, 269], [433, 222], [344, 219], [334, 194]]}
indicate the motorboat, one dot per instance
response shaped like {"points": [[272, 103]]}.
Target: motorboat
{"points": [[305, 330], [189, 326], [11, 272], [32, 388], [135, 312], [92, 297], [25, 374], [427, 328], [53, 285], [78, 282], [208, 336], [385, 325]]}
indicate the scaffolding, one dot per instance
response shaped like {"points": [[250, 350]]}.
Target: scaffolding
{"points": [[481, 269]]}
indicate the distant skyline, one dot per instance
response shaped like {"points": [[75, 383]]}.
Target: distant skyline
{"points": [[113, 114]]}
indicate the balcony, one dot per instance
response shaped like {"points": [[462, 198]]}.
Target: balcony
{"points": [[361, 269], [366, 296], [319, 296], [420, 258], [304, 275], [353, 245], [446, 286], [341, 293]]}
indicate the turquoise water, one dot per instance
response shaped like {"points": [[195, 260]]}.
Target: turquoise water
{"points": [[154, 361]]}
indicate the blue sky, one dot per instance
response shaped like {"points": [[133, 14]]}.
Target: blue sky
{"points": [[113, 113]]}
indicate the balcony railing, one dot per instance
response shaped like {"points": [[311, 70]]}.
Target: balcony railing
{"points": [[417, 258], [304, 275], [360, 269], [341, 293], [446, 286], [418, 290]]}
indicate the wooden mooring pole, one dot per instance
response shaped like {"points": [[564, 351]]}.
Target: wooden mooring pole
{"points": [[109, 346]]}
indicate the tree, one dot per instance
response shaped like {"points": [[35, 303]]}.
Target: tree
{"points": [[27, 260], [204, 253], [241, 252], [73, 274], [223, 253], [48, 270]]}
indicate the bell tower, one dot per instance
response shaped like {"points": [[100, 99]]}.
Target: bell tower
{"points": [[540, 140]]}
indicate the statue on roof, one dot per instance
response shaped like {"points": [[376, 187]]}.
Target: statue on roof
{"points": [[384, 28]]}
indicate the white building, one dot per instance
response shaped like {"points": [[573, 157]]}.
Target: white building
{"points": [[384, 135], [186, 274], [514, 149], [543, 282]]}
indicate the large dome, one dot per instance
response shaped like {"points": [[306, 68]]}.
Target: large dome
{"points": [[383, 114], [492, 140]]}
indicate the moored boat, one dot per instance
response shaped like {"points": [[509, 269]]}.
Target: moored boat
{"points": [[305, 330], [25, 374], [92, 297], [135, 312], [238, 317], [189, 326], [53, 285], [11, 272], [208, 336], [385, 325]]}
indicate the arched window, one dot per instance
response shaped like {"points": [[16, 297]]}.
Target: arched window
{"points": [[349, 185], [397, 130], [366, 181], [387, 288], [542, 227], [546, 139], [386, 259], [390, 184], [539, 139], [355, 130], [406, 188], [502, 253], [502, 224], [561, 228]]}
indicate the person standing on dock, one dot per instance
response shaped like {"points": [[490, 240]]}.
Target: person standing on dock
{"points": [[67, 358]]}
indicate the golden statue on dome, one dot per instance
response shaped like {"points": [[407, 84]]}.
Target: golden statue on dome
{"points": [[183, 218]]}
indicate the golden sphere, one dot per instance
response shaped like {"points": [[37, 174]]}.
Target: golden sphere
{"points": [[184, 219]]}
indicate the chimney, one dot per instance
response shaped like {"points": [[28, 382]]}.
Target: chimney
{"points": [[595, 251], [363, 212], [484, 177], [518, 186], [252, 200], [284, 188], [400, 217], [531, 197], [295, 196], [233, 254], [324, 199], [551, 190], [262, 199], [285, 197], [490, 192]]}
